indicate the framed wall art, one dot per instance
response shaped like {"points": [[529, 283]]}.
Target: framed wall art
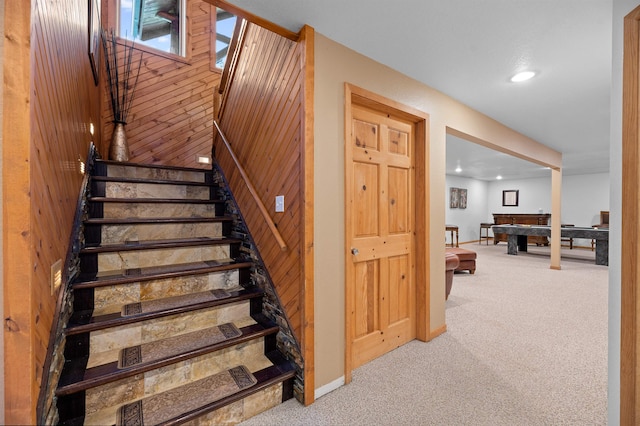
{"points": [[462, 198], [454, 198], [94, 38], [510, 197]]}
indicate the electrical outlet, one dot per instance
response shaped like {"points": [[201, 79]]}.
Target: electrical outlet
{"points": [[279, 203], [56, 276]]}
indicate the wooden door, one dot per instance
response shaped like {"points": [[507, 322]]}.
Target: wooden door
{"points": [[380, 226]]}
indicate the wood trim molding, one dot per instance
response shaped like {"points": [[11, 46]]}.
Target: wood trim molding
{"points": [[230, 66], [235, 49], [223, 4], [437, 332], [307, 40], [348, 336], [21, 387], [630, 250]]}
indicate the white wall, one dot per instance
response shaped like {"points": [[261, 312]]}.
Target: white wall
{"points": [[583, 197], [533, 195], [468, 220]]}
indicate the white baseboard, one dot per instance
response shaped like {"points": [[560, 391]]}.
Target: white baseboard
{"points": [[329, 387]]}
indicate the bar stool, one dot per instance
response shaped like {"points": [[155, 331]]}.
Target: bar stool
{"points": [[485, 226]]}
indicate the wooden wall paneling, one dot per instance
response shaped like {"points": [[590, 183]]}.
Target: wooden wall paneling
{"points": [[275, 186], [263, 118], [153, 100], [286, 153], [163, 125], [171, 119], [62, 112], [261, 69], [158, 107], [273, 106], [49, 100]]}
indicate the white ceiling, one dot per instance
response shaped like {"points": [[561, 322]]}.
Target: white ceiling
{"points": [[469, 49]]}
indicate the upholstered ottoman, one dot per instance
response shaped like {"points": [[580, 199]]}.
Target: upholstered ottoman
{"points": [[451, 262], [467, 259]]}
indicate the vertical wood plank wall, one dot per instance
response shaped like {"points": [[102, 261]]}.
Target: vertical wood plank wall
{"points": [[63, 101], [263, 120], [171, 120]]}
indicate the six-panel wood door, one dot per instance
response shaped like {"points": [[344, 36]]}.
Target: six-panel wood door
{"points": [[380, 227]]}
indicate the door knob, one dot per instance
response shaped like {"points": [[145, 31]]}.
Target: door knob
{"points": [[354, 251]]}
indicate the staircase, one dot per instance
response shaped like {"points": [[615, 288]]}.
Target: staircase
{"points": [[167, 325]]}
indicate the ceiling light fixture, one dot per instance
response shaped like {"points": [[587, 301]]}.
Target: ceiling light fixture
{"points": [[458, 169], [522, 76], [498, 177]]}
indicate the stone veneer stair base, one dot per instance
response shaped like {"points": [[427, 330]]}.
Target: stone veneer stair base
{"points": [[93, 384]]}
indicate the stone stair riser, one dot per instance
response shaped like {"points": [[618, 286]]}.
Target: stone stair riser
{"points": [[119, 337], [153, 190], [147, 258], [147, 210], [109, 299], [100, 401], [167, 207], [154, 173], [242, 410], [113, 234]]}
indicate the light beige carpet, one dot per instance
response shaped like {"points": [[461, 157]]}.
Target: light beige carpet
{"points": [[525, 345]]}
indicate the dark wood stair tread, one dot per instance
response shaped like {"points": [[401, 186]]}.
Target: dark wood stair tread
{"points": [[159, 244], [151, 166], [277, 373], [155, 220], [281, 371], [125, 276], [75, 377], [151, 181], [84, 321], [154, 200]]}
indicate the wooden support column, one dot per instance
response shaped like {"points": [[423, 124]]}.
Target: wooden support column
{"points": [[20, 390], [307, 35], [629, 368], [556, 210]]}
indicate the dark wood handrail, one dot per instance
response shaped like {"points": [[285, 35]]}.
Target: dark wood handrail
{"points": [[252, 190]]}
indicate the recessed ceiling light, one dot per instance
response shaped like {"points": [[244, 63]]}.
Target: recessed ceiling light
{"points": [[458, 169], [522, 76], [498, 177]]}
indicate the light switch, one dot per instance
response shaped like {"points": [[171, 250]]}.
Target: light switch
{"points": [[279, 203]]}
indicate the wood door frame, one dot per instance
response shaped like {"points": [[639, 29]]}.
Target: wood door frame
{"points": [[365, 98], [630, 216]]}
